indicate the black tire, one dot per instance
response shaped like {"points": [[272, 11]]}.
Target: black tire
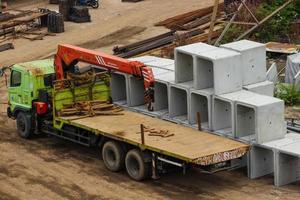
{"points": [[64, 8], [113, 156], [95, 4], [49, 22], [60, 24], [24, 126], [136, 166], [55, 23]]}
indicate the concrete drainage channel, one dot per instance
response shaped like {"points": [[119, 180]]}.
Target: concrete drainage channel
{"points": [[228, 87]]}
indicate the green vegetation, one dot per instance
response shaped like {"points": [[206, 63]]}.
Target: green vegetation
{"points": [[288, 93], [233, 32], [277, 28]]}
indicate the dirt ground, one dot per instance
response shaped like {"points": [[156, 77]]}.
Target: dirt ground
{"points": [[126, 22], [49, 168]]}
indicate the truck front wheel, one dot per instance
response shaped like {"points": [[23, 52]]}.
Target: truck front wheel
{"points": [[23, 125], [113, 156], [136, 166]]}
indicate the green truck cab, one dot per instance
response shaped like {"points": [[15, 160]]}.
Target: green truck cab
{"points": [[26, 82]]}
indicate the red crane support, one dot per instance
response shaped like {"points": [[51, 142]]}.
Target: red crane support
{"points": [[68, 55]]}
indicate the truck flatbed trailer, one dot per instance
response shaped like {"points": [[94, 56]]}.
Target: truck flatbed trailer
{"points": [[186, 144]]}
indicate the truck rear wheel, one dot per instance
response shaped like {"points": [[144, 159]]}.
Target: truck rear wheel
{"points": [[136, 166], [113, 156], [23, 125]]}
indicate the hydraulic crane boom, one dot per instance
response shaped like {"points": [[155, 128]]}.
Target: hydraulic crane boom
{"points": [[68, 55]]}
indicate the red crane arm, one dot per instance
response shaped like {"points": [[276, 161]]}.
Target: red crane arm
{"points": [[68, 55]]}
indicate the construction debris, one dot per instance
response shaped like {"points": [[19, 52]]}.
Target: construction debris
{"points": [[284, 48], [25, 18], [198, 17], [156, 132], [21, 23], [90, 108], [6, 16], [87, 77], [73, 79], [163, 45], [142, 45], [6, 46], [36, 35], [213, 20], [186, 28]]}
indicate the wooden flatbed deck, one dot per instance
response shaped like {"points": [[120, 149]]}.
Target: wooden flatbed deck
{"points": [[187, 144]]}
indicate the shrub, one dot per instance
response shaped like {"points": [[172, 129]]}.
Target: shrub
{"points": [[288, 93]]}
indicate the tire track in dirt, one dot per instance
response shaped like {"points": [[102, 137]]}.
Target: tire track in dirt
{"points": [[66, 191], [5, 196]]}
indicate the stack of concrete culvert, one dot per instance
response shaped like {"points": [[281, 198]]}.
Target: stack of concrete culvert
{"points": [[228, 87]]}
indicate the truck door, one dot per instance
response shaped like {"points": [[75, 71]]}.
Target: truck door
{"points": [[19, 89]]}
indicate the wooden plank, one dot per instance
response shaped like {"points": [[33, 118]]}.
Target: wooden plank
{"points": [[184, 18], [165, 51], [6, 46], [229, 24], [21, 20], [213, 20], [125, 48], [253, 16], [160, 42], [285, 48], [240, 23], [186, 143], [9, 16]]}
